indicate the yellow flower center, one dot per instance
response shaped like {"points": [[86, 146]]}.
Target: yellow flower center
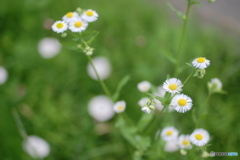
{"points": [[69, 14], [185, 142], [182, 102], [169, 133], [172, 87], [201, 60], [60, 25], [120, 107], [78, 24], [89, 13], [198, 136]]}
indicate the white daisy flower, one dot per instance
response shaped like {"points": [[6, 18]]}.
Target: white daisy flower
{"points": [[146, 110], [49, 47], [215, 85], [69, 17], [89, 16], [102, 66], [173, 85], [78, 25], [199, 137], [171, 146], [3, 75], [184, 142], [100, 108], [119, 106], [169, 133], [59, 27], [143, 101], [201, 63], [181, 103], [36, 147], [144, 86]]}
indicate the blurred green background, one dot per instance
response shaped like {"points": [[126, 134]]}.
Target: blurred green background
{"points": [[51, 95]]}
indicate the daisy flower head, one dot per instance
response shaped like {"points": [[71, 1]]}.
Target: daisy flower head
{"points": [[69, 17], [49, 47], [199, 137], [36, 147], [169, 133], [181, 103], [59, 27], [119, 106], [184, 142], [200, 63], [215, 85], [173, 85], [78, 25], [144, 86], [89, 15]]}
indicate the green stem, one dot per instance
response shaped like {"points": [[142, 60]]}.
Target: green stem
{"points": [[182, 38], [99, 79], [203, 109], [190, 75], [19, 123]]}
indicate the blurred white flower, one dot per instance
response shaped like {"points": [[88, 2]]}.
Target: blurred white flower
{"points": [[158, 104], [69, 17], [184, 142], [144, 86], [200, 137], [119, 106], [160, 91], [102, 66], [215, 85], [171, 146], [49, 47], [101, 108], [143, 101], [169, 133], [78, 25], [36, 147], [90, 15], [3, 75], [146, 110]]}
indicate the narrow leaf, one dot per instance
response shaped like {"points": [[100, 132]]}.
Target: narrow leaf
{"points": [[169, 56], [179, 14], [121, 84]]}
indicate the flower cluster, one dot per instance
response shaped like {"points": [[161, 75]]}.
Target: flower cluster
{"points": [[75, 21], [170, 135]]}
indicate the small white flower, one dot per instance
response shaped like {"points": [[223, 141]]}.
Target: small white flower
{"points": [[100, 108], [215, 85], [59, 27], [201, 63], [181, 103], [171, 146], [158, 104], [89, 16], [160, 91], [119, 106], [169, 133], [199, 137], [69, 17], [146, 110], [77, 25], [143, 101], [36, 147], [49, 47], [184, 142], [144, 86], [173, 85], [102, 66], [3, 75]]}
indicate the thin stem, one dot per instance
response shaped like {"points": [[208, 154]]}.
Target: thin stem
{"points": [[19, 123], [182, 38], [99, 79], [190, 75], [203, 109]]}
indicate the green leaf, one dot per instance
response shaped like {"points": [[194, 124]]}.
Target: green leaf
{"points": [[144, 121], [196, 2], [121, 84], [169, 56], [92, 37], [179, 14], [194, 117]]}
